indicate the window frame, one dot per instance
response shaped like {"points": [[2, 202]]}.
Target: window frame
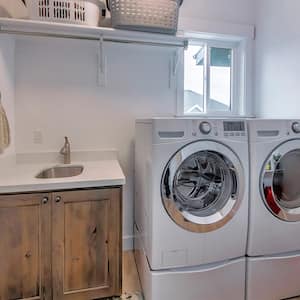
{"points": [[240, 53]]}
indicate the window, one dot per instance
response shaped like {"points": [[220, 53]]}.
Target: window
{"points": [[210, 79]]}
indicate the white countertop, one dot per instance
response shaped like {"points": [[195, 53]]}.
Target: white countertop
{"points": [[18, 177]]}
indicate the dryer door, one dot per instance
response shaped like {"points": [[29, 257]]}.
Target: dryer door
{"points": [[280, 182], [202, 186]]}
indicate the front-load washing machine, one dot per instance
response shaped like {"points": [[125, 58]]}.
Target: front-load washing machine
{"points": [[274, 225], [191, 207], [273, 265]]}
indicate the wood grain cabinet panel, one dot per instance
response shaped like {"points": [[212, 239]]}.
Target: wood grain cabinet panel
{"points": [[86, 247], [25, 247], [61, 245], [86, 244]]}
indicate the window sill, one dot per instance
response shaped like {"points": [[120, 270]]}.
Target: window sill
{"points": [[216, 115]]}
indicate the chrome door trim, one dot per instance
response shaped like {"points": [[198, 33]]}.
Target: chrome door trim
{"points": [[214, 221], [266, 182]]}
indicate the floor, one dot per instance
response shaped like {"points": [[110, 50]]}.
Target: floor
{"points": [[131, 282]]}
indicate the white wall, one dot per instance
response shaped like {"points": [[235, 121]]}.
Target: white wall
{"points": [[232, 11], [7, 86], [57, 94], [277, 79]]}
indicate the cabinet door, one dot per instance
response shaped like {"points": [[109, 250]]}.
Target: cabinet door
{"points": [[86, 244], [25, 266]]}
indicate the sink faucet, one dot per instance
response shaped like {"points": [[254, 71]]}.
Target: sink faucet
{"points": [[66, 151]]}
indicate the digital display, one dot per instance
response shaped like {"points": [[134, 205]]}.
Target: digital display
{"points": [[234, 126]]}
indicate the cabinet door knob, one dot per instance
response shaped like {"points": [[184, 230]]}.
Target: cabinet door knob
{"points": [[57, 199], [45, 200]]}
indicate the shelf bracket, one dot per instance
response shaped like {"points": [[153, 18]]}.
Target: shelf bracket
{"points": [[176, 59], [173, 67], [101, 63]]}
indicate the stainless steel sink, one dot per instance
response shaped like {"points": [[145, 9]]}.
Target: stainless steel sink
{"points": [[60, 172]]}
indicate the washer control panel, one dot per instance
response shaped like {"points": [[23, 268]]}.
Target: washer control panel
{"points": [[234, 128], [220, 128]]}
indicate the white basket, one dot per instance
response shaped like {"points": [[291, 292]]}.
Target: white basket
{"points": [[145, 15], [88, 12]]}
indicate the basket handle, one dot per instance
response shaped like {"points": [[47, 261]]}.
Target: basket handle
{"points": [[108, 5]]}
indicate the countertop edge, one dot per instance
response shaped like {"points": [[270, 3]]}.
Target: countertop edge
{"points": [[44, 187]]}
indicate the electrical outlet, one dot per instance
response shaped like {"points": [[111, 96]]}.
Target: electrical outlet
{"points": [[37, 137]]}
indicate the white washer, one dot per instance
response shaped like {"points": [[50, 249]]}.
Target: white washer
{"points": [[191, 203], [222, 280], [273, 277], [273, 266], [274, 225]]}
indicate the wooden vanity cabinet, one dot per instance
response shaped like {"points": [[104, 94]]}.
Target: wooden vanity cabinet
{"points": [[86, 244], [25, 240], [61, 245]]}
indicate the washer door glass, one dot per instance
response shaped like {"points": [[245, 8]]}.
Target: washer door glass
{"points": [[203, 183], [281, 186], [286, 180], [200, 190]]}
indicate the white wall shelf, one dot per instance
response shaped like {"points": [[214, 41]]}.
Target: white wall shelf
{"points": [[59, 30]]}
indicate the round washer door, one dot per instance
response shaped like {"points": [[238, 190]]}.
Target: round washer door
{"points": [[280, 182], [202, 186]]}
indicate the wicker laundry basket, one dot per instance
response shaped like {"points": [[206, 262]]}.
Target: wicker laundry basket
{"points": [[160, 16]]}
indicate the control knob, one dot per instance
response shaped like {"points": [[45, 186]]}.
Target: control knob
{"points": [[205, 128], [296, 127]]}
